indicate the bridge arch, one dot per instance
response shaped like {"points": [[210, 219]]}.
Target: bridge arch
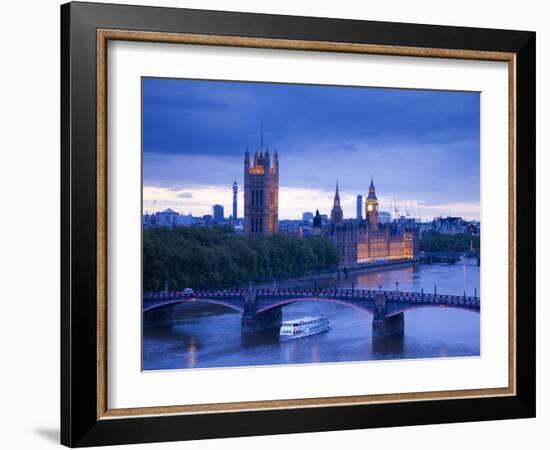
{"points": [[190, 301], [288, 301], [394, 309]]}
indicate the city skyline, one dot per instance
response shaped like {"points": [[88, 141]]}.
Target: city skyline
{"points": [[421, 147]]}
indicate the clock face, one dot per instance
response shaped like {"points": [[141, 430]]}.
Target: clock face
{"points": [[369, 207]]}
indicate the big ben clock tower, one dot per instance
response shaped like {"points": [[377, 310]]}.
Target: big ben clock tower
{"points": [[371, 207]]}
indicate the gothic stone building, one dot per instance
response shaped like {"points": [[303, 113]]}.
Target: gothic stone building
{"points": [[261, 193], [365, 240]]}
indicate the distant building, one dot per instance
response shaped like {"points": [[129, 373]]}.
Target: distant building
{"points": [[261, 193], [424, 227], [384, 217], [297, 227], [235, 192], [166, 218], [359, 215], [217, 213], [307, 216], [186, 220], [472, 228], [317, 224], [448, 225]]}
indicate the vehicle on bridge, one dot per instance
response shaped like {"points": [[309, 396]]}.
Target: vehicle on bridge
{"points": [[303, 327]]}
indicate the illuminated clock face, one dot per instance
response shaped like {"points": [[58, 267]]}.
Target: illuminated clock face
{"points": [[369, 207]]}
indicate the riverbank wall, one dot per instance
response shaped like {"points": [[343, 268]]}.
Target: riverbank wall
{"points": [[322, 277]]}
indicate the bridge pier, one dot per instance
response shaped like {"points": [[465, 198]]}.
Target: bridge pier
{"points": [[254, 322], [267, 321], [159, 318], [382, 325]]}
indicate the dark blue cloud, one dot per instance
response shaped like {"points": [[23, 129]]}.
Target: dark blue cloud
{"points": [[417, 142]]}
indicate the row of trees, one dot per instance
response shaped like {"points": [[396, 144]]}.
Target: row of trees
{"points": [[215, 257], [433, 241]]}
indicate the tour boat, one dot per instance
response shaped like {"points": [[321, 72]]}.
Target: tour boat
{"points": [[302, 327]]}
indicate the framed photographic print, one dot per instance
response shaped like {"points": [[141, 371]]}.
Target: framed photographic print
{"points": [[277, 224]]}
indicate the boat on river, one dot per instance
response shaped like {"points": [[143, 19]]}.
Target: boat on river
{"points": [[303, 327]]}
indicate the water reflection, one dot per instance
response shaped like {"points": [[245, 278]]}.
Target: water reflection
{"points": [[191, 352], [390, 347]]}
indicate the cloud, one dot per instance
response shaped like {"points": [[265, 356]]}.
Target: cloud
{"points": [[185, 195], [430, 173], [214, 116]]}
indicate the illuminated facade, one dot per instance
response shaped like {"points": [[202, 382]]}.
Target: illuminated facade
{"points": [[367, 240], [261, 193]]}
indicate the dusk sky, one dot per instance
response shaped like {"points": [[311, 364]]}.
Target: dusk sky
{"points": [[421, 147]]}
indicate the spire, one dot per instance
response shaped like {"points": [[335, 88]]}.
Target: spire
{"points": [[337, 196], [336, 214], [372, 190]]}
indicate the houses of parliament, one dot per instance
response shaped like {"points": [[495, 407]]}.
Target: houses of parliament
{"points": [[358, 241]]}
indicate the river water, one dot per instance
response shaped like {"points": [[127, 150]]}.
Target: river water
{"points": [[210, 336]]}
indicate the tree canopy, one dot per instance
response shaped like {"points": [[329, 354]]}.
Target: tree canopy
{"points": [[434, 242], [200, 257]]}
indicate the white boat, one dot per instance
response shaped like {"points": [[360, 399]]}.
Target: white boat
{"points": [[302, 327]]}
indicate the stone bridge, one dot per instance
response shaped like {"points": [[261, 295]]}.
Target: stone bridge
{"points": [[261, 309]]}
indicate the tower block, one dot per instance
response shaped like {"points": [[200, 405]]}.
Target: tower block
{"points": [[261, 193]]}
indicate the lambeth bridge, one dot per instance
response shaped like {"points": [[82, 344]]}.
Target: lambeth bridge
{"points": [[261, 308]]}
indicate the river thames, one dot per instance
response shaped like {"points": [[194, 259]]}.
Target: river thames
{"points": [[210, 336]]}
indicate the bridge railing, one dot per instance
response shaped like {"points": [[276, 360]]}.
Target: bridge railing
{"points": [[369, 294]]}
